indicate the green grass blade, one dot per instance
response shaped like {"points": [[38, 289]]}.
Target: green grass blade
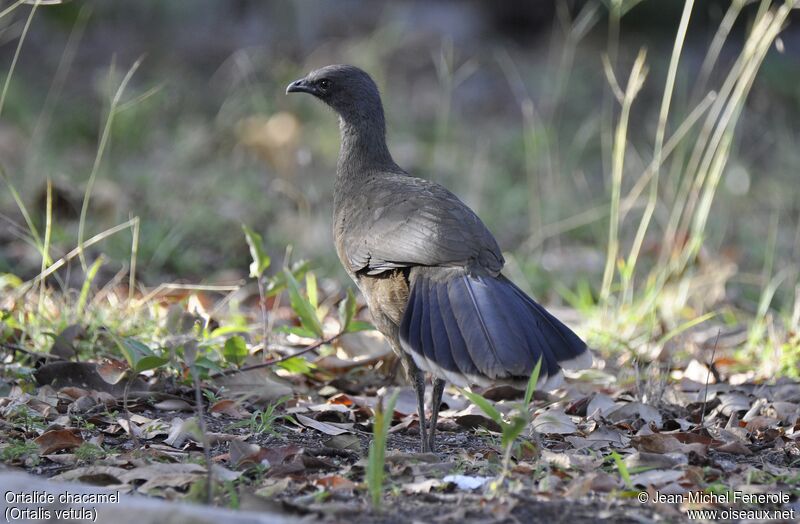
{"points": [[377, 450], [529, 391], [87, 285], [485, 406], [623, 469]]}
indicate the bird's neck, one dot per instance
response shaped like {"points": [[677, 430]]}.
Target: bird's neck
{"points": [[363, 149]]}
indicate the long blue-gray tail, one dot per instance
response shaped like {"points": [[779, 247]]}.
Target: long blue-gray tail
{"points": [[481, 329]]}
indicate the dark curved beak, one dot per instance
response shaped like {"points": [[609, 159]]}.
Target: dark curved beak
{"points": [[300, 86]]}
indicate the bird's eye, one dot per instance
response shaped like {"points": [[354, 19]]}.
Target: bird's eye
{"points": [[324, 84]]}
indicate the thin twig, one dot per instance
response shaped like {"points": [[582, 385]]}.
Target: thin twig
{"points": [[132, 430], [708, 378], [262, 305], [198, 399], [303, 351], [134, 255], [171, 286], [17, 347], [69, 256]]}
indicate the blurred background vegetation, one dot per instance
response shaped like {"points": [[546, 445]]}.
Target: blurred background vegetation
{"points": [[512, 105]]}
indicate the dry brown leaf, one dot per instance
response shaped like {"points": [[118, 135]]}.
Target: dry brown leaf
{"points": [[344, 441], [257, 385], [96, 475], [273, 487], [181, 430], [571, 460], [472, 417], [554, 421], [173, 404], [644, 459], [731, 403], [362, 346], [667, 443], [601, 437], [735, 448], [600, 402], [421, 486], [242, 453], [228, 407], [281, 454], [162, 475], [336, 483], [72, 392], [57, 440], [324, 427], [631, 411], [760, 423], [656, 477], [112, 371]]}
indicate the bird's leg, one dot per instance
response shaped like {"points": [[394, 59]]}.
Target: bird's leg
{"points": [[419, 387], [436, 402]]}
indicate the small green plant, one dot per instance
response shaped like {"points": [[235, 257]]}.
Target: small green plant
{"points": [[263, 421], [377, 450], [27, 418], [260, 263], [81, 422], [20, 451], [235, 351], [88, 452], [623, 469], [232, 493], [211, 396], [517, 421]]}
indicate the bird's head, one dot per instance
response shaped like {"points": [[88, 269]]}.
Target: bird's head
{"points": [[346, 89]]}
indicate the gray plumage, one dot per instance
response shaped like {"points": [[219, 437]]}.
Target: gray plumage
{"points": [[428, 267]]}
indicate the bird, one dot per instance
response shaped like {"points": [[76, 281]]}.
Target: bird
{"points": [[430, 270]]}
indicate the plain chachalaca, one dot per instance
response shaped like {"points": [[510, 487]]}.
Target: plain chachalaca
{"points": [[428, 267]]}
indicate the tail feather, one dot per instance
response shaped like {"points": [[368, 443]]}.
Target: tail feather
{"points": [[528, 328], [484, 328], [574, 354], [479, 329], [457, 346], [415, 309], [439, 341]]}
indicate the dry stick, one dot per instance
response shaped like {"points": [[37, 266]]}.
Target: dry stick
{"points": [[262, 305], [21, 349], [198, 399], [271, 321], [708, 378], [136, 444], [303, 351], [184, 287], [55, 266], [110, 286], [134, 256]]}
